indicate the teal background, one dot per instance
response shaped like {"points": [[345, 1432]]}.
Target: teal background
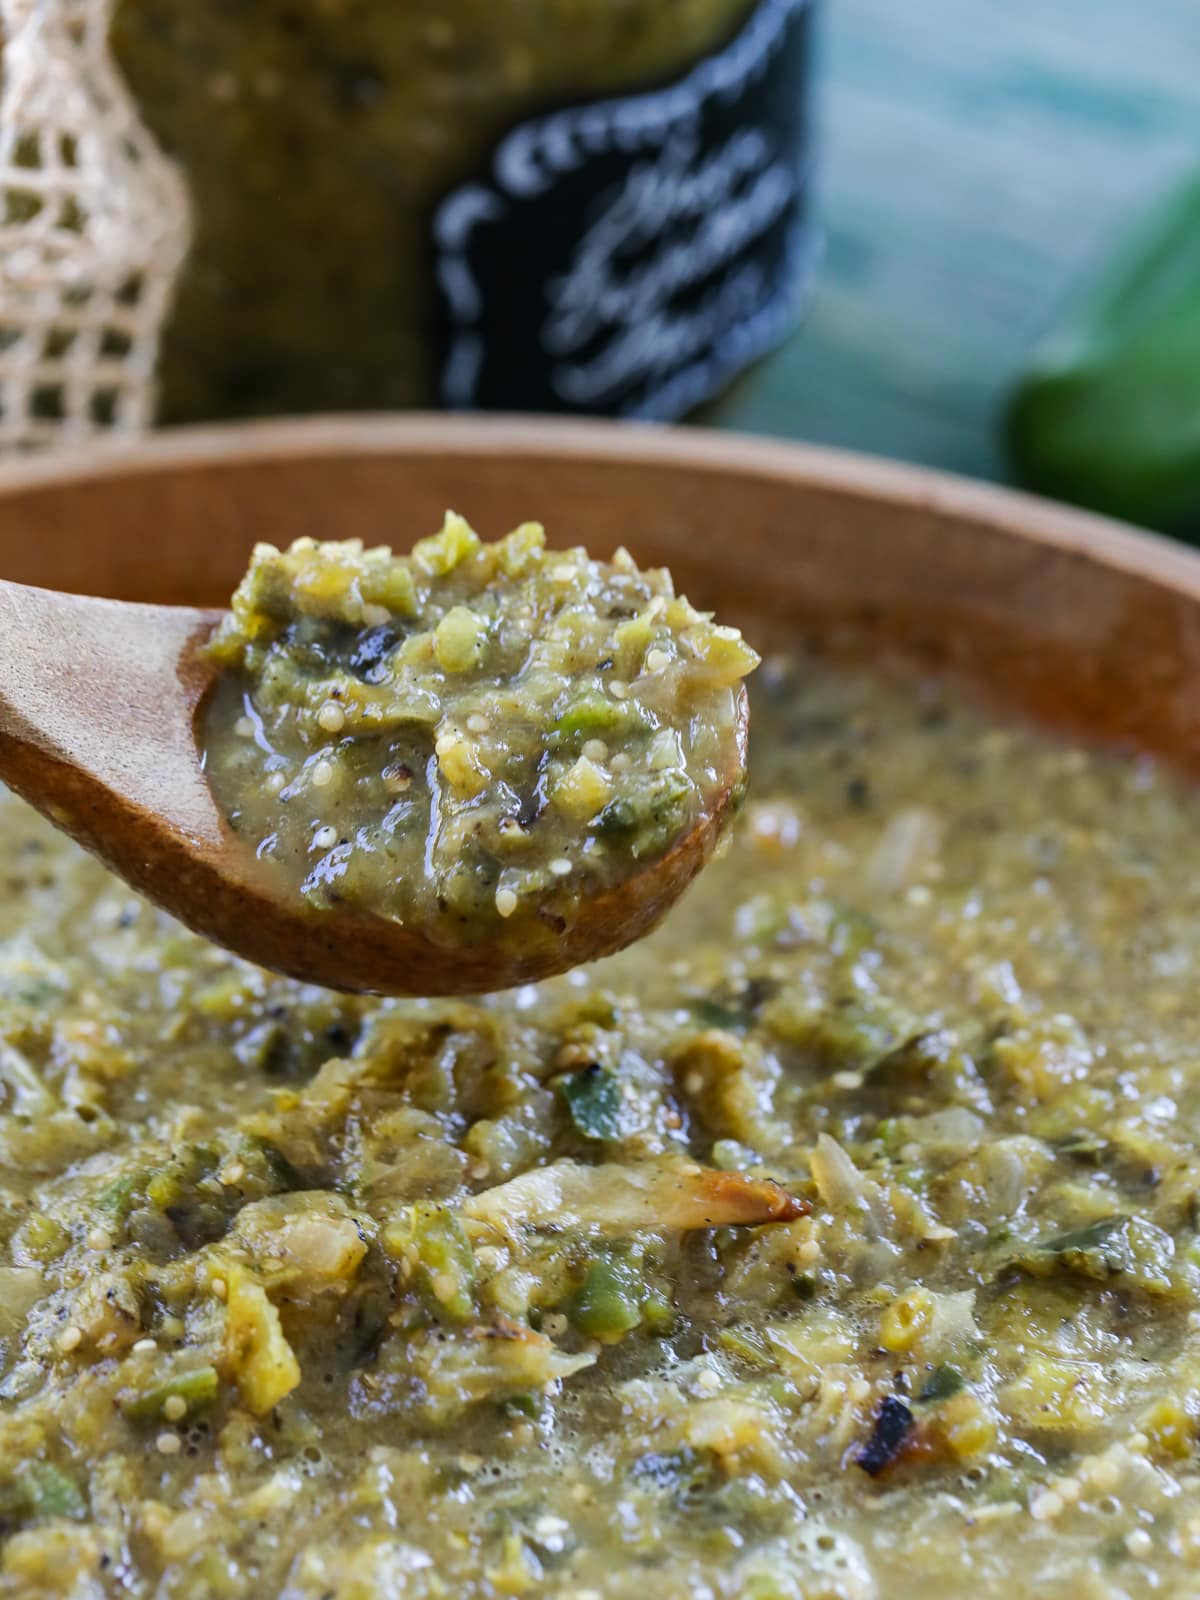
{"points": [[977, 156]]}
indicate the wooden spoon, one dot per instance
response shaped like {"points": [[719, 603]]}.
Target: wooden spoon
{"points": [[98, 703]]}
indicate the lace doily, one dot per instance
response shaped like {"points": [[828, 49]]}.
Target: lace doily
{"points": [[94, 227]]}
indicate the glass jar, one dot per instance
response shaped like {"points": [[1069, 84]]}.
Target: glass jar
{"points": [[580, 205]]}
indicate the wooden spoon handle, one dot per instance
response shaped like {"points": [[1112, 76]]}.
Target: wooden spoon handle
{"points": [[97, 698]]}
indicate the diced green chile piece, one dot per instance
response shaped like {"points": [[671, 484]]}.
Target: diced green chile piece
{"points": [[1131, 1248], [942, 1384], [199, 1389], [39, 1489], [521, 1405], [180, 1176], [282, 1174], [593, 715], [430, 1240], [658, 1315], [608, 1303], [593, 1098], [115, 1200]]}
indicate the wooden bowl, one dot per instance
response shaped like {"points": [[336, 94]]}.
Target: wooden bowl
{"points": [[1071, 619]]}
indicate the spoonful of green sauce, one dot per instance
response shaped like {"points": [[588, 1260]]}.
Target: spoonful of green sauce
{"points": [[508, 757]]}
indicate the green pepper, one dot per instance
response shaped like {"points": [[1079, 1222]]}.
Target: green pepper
{"points": [[942, 1383], [1107, 411], [436, 1255], [278, 1171], [53, 1493], [1130, 1248], [198, 1389], [658, 1315], [115, 1201], [593, 1098], [523, 1404], [618, 817], [608, 1303], [174, 1183], [39, 1489], [185, 1191], [592, 715]]}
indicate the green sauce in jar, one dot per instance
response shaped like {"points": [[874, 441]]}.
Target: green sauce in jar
{"points": [[318, 135]]}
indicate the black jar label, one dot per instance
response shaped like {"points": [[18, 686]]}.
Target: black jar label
{"points": [[630, 255]]}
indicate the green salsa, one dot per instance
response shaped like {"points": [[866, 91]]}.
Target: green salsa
{"points": [[475, 740], [839, 1242]]}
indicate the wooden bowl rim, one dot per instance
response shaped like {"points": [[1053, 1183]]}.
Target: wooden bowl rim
{"points": [[942, 495]]}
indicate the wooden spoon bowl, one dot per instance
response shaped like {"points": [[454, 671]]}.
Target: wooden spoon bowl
{"points": [[99, 701]]}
